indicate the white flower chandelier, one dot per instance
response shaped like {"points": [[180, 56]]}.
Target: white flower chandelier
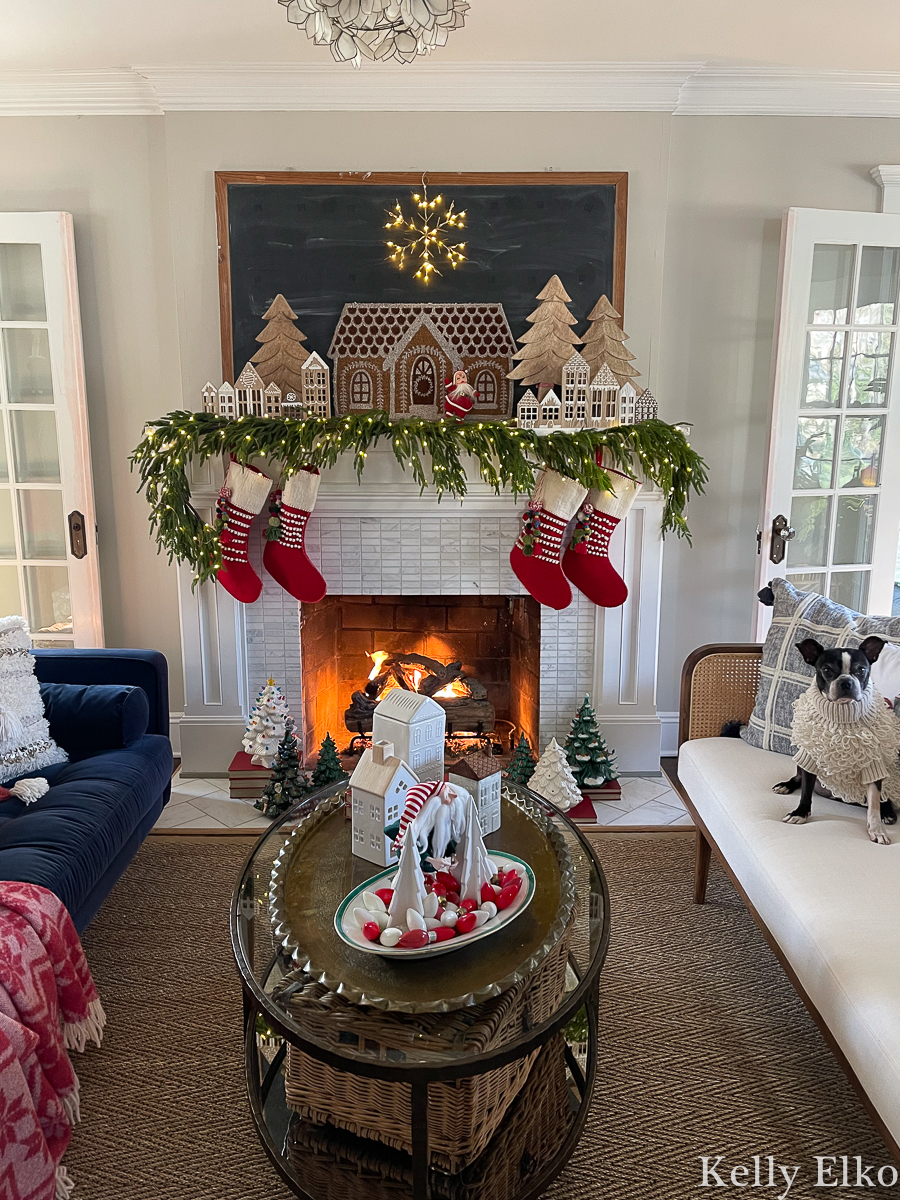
{"points": [[378, 29]]}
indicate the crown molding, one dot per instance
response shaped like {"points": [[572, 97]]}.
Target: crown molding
{"points": [[75, 93], [680, 88]]}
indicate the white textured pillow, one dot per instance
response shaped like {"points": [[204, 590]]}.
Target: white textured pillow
{"points": [[25, 741], [886, 672]]}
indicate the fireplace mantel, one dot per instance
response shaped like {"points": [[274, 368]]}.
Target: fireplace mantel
{"points": [[381, 536]]}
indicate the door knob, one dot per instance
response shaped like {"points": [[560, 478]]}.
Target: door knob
{"points": [[77, 539], [782, 533]]}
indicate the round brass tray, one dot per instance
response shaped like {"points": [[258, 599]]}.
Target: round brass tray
{"points": [[315, 869]]}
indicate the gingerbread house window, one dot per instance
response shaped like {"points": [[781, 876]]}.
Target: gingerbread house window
{"points": [[361, 389], [423, 381], [486, 387]]}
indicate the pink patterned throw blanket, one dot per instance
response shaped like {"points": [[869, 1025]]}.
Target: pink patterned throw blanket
{"points": [[48, 1005]]}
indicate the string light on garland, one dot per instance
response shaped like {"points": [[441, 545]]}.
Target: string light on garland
{"points": [[425, 235]]}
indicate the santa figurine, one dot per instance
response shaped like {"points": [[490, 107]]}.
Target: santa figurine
{"points": [[459, 395]]}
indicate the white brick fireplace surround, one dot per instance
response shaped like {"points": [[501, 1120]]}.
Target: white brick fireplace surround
{"points": [[383, 538]]}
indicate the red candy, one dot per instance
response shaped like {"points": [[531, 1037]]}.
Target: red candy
{"points": [[438, 888], [488, 892], [468, 905], [465, 923], [371, 931], [448, 880], [385, 895], [453, 897], [444, 934], [506, 897], [414, 939]]}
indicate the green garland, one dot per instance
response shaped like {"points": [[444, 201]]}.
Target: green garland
{"points": [[508, 458]]}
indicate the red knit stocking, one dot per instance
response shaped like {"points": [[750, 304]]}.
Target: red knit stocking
{"points": [[586, 562], [240, 499], [535, 556], [285, 555]]}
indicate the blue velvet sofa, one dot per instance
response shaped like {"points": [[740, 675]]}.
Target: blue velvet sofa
{"points": [[109, 709]]}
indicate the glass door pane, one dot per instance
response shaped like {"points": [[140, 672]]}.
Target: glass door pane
{"points": [[21, 282]]}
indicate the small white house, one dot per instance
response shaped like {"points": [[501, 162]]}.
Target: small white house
{"points": [[378, 788], [527, 411], [415, 725], [480, 776], [315, 387]]}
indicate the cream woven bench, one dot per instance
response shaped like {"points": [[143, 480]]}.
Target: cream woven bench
{"points": [[813, 889]]}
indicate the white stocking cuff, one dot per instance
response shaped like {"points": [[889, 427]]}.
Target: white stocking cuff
{"points": [[559, 495], [615, 504], [248, 488], [301, 489]]}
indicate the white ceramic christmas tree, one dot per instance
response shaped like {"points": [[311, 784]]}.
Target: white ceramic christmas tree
{"points": [[472, 868], [409, 883], [553, 778], [266, 725]]}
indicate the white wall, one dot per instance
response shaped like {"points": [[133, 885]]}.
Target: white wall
{"points": [[705, 201]]}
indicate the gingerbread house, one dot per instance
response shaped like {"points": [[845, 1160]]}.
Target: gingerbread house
{"points": [[397, 356]]}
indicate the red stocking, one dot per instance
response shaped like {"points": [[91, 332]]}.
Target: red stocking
{"points": [[242, 496], [535, 556], [285, 555], [586, 562]]}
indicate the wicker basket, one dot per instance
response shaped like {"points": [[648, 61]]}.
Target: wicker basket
{"points": [[339, 1166], [463, 1114]]}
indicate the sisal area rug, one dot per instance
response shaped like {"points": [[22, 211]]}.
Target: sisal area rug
{"points": [[705, 1049]]}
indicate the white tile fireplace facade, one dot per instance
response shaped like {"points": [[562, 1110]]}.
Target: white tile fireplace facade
{"points": [[382, 537]]}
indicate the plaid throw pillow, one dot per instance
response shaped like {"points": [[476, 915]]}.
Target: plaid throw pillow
{"points": [[783, 674]]}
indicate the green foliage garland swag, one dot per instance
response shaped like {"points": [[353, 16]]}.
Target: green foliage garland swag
{"points": [[508, 458]]}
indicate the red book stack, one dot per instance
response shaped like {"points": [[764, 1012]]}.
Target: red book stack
{"points": [[246, 780]]}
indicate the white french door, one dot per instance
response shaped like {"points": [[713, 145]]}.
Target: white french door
{"points": [[48, 546], [831, 505]]}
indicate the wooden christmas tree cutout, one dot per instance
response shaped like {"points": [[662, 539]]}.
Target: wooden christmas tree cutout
{"points": [[547, 346], [281, 356], [604, 342]]}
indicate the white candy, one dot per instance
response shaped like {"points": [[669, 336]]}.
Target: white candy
{"points": [[431, 923], [451, 907], [414, 920], [373, 903], [489, 908], [390, 937], [481, 917], [430, 905], [362, 916], [494, 868], [450, 918]]}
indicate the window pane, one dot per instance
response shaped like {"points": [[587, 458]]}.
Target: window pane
{"points": [[824, 362], [21, 282], [860, 464], [870, 356], [829, 291], [55, 643], [47, 599], [10, 603], [809, 517], [7, 532], [850, 588], [4, 465], [814, 461], [854, 529], [876, 299], [34, 446], [42, 524], [808, 581], [27, 354]]}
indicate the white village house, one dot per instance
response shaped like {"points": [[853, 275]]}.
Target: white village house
{"points": [[480, 777], [378, 788], [600, 404], [415, 725]]}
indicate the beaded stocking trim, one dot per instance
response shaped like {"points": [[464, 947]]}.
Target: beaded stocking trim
{"points": [[235, 528], [542, 534], [592, 532]]}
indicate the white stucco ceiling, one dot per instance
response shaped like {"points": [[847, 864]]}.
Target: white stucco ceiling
{"points": [[53, 35]]}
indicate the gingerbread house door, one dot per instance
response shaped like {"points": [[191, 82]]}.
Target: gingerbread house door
{"points": [[423, 381]]}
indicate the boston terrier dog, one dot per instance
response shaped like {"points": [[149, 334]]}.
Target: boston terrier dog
{"points": [[842, 674]]}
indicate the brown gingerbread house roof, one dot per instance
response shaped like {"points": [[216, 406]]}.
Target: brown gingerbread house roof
{"points": [[373, 329], [475, 766]]}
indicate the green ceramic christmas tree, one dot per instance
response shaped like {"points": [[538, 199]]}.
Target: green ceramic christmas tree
{"points": [[522, 763], [591, 760], [288, 785], [328, 768]]}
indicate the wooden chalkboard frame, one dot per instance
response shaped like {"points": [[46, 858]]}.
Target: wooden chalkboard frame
{"points": [[407, 179]]}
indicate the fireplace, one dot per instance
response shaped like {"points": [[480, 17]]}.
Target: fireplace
{"points": [[477, 656]]}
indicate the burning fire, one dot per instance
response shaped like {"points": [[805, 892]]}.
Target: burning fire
{"points": [[377, 657], [454, 688], [415, 677]]}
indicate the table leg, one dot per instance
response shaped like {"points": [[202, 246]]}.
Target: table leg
{"points": [[419, 1100]]}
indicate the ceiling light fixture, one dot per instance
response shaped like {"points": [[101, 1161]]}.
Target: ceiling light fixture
{"points": [[377, 29]]}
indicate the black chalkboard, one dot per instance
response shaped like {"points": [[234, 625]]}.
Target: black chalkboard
{"points": [[320, 240]]}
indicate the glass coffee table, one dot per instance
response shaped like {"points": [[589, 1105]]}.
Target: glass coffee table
{"points": [[458, 1077]]}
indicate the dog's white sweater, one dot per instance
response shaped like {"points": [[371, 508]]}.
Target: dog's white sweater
{"points": [[848, 744]]}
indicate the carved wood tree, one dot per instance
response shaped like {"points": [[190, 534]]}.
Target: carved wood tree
{"points": [[282, 353], [547, 346], [604, 342]]}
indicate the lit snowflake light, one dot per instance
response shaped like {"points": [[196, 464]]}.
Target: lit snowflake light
{"points": [[424, 235]]}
